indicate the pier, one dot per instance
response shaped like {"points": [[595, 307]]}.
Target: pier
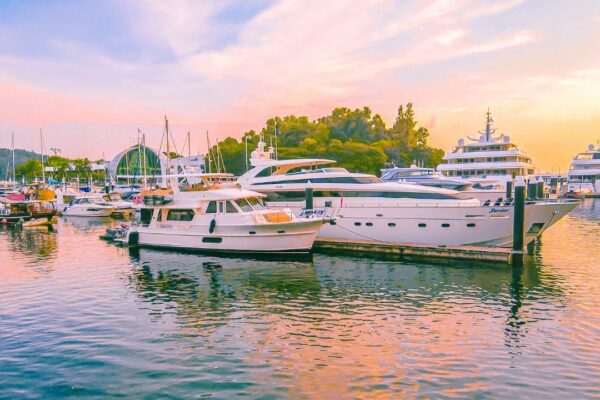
{"points": [[417, 252]]}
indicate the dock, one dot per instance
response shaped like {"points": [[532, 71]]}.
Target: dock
{"points": [[417, 252]]}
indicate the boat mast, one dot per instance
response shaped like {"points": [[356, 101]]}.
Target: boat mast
{"points": [[168, 148], [42, 149], [488, 126], [208, 152]]}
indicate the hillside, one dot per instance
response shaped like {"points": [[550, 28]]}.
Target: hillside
{"points": [[21, 156]]}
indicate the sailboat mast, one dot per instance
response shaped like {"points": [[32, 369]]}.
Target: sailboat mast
{"points": [[208, 152], [42, 150], [168, 147]]}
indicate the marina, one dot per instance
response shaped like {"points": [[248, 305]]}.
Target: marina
{"points": [[283, 199], [168, 323]]}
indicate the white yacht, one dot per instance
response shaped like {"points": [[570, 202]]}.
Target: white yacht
{"points": [[367, 209], [584, 174], [88, 206], [423, 176], [489, 161], [220, 218]]}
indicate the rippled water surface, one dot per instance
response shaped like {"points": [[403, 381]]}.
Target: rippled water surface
{"points": [[83, 318]]}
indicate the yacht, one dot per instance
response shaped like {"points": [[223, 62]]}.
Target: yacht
{"points": [[489, 161], [423, 176], [584, 174], [88, 206], [209, 216], [367, 209], [16, 209]]}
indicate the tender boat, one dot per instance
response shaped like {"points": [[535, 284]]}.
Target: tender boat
{"points": [[213, 218], [584, 174], [368, 209], [88, 206]]}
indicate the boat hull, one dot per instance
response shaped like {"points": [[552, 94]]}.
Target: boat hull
{"points": [[294, 237], [435, 225]]}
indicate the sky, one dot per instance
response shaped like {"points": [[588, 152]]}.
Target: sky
{"points": [[90, 73]]}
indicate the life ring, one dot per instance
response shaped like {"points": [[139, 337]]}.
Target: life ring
{"points": [[211, 227]]}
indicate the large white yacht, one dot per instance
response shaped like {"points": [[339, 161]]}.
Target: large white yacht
{"points": [[490, 160], [366, 208], [584, 174], [209, 216]]}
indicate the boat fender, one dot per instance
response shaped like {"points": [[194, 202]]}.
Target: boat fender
{"points": [[211, 227], [134, 238]]}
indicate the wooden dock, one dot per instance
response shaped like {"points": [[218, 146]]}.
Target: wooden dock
{"points": [[416, 252]]}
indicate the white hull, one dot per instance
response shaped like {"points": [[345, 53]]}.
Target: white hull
{"points": [[437, 225], [269, 238], [87, 212]]}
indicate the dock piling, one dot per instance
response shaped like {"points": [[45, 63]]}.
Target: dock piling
{"points": [[309, 198], [519, 222], [540, 188], [509, 189]]}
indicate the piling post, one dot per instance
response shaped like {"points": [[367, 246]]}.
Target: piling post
{"points": [[519, 222], [509, 189], [540, 188], [532, 188], [309, 198]]}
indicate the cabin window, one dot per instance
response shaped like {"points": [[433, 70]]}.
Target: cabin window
{"points": [[231, 209], [244, 205], [255, 203], [180, 215], [211, 208]]}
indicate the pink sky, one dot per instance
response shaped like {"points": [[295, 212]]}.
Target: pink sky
{"points": [[89, 76]]}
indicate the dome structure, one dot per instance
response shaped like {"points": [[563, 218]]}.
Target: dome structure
{"points": [[137, 163]]}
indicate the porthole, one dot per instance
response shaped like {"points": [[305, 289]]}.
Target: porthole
{"points": [[445, 225], [391, 224], [379, 215], [212, 240], [280, 231], [421, 225], [252, 233], [470, 225], [369, 224], [357, 224]]}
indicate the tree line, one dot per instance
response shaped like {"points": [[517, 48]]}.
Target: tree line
{"points": [[357, 139]]}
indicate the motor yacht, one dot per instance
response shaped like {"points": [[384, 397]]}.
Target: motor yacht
{"points": [[489, 161], [88, 206], [423, 176], [367, 209], [208, 216], [584, 173]]}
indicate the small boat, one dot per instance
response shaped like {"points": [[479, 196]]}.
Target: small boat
{"points": [[37, 222], [88, 206], [21, 211]]}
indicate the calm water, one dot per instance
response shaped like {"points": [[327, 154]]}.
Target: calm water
{"points": [[82, 318]]}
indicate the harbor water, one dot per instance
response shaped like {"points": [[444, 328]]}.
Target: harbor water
{"points": [[83, 318]]}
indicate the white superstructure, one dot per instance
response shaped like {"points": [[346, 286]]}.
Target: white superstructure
{"points": [[584, 174], [365, 208], [489, 160]]}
